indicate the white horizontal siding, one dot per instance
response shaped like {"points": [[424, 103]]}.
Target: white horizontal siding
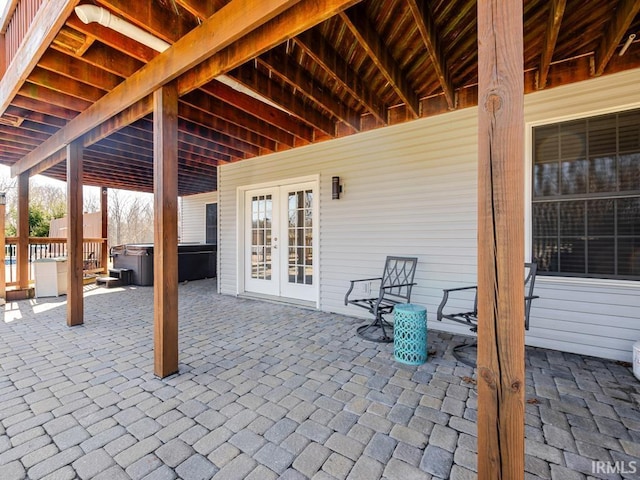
{"points": [[411, 189], [194, 214]]}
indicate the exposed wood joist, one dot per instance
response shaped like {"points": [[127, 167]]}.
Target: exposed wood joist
{"points": [[293, 21], [428, 31], [50, 19], [556, 12], [263, 85], [618, 26], [261, 110], [322, 53], [223, 28], [359, 25], [288, 70]]}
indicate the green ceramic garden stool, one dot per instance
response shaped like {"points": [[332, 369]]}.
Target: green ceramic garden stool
{"points": [[410, 334]]}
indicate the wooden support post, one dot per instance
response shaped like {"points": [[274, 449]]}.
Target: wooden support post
{"points": [[22, 247], [3, 268], [501, 383], [75, 305], [104, 209], [165, 253]]}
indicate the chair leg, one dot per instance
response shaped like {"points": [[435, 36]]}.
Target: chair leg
{"points": [[458, 352], [379, 331]]}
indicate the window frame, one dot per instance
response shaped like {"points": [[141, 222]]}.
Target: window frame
{"points": [[558, 198]]}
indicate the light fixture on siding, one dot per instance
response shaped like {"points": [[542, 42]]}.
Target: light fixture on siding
{"points": [[336, 188], [3, 198], [627, 44]]}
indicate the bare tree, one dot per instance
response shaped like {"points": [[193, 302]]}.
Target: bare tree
{"points": [[130, 218]]}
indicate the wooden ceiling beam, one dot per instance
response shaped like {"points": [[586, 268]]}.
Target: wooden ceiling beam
{"points": [[113, 39], [300, 17], [229, 113], [111, 60], [357, 22], [316, 47], [266, 112], [556, 12], [289, 71], [226, 26], [54, 97], [78, 70], [251, 78], [201, 9], [65, 85], [40, 34], [37, 117], [206, 119], [429, 33], [625, 12], [164, 23], [37, 105]]}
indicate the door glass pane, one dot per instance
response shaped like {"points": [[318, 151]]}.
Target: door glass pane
{"points": [[261, 224], [299, 237]]}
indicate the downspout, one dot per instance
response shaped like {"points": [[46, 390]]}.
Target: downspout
{"points": [[92, 13]]}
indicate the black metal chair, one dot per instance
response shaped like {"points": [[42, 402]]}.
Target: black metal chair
{"points": [[469, 317], [395, 287]]}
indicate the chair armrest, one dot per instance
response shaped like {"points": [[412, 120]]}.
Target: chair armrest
{"points": [[445, 298], [353, 282], [446, 290]]}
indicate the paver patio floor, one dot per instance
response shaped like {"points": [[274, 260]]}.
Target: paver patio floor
{"points": [[271, 391]]}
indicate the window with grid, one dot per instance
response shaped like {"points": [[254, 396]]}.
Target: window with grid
{"points": [[586, 197]]}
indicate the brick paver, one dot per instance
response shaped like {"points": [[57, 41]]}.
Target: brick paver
{"points": [[269, 391]]}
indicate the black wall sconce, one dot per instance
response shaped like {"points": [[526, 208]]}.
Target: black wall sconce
{"points": [[336, 188]]}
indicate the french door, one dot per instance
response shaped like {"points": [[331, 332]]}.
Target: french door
{"points": [[280, 233]]}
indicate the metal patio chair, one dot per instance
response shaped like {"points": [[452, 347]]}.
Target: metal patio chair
{"points": [[469, 316], [395, 287]]}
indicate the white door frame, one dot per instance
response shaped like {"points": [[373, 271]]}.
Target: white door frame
{"points": [[241, 229]]}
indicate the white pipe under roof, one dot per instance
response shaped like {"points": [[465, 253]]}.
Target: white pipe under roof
{"points": [[92, 13]]}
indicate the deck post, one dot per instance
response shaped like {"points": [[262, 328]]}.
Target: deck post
{"points": [[75, 304], [3, 245], [501, 383], [104, 232], [165, 254], [22, 247]]}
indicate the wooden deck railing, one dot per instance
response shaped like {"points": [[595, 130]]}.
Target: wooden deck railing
{"points": [[18, 26], [45, 247]]}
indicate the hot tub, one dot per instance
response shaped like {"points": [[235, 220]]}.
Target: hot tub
{"points": [[195, 261]]}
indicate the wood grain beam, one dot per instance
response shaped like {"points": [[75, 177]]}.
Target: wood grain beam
{"points": [[300, 17], [104, 227], [22, 248], [556, 12], [229, 113], [289, 71], [625, 12], [65, 85], [195, 115], [251, 78], [429, 33], [163, 23], [501, 179], [341, 72], [165, 255], [201, 9], [76, 69], [266, 112], [360, 26], [53, 97], [44, 28], [226, 26], [75, 303]]}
